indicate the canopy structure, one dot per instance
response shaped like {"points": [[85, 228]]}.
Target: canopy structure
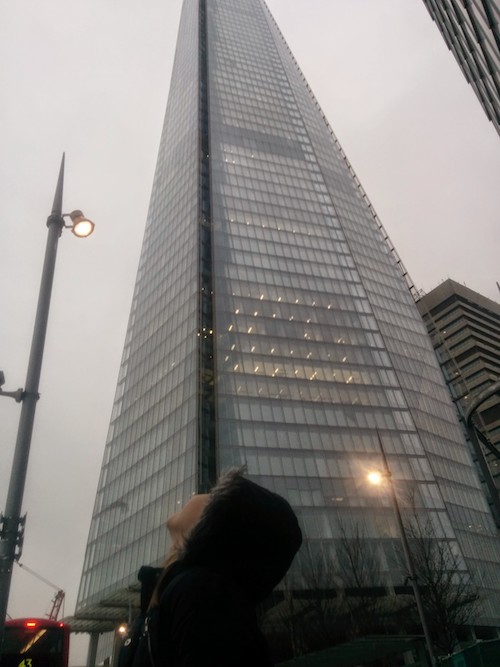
{"points": [[108, 613]]}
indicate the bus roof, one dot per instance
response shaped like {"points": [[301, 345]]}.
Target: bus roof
{"points": [[31, 622]]}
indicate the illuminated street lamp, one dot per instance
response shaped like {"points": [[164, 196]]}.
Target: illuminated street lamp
{"points": [[377, 478], [12, 523], [82, 226]]}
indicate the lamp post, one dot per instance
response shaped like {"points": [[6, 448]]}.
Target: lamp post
{"points": [[377, 477], [12, 523]]}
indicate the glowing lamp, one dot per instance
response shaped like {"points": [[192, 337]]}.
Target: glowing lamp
{"points": [[375, 477], [82, 226]]}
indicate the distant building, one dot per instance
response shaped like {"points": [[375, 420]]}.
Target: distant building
{"points": [[471, 31], [465, 331]]}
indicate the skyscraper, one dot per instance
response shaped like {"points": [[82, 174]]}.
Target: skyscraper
{"points": [[271, 325], [465, 331], [471, 31]]}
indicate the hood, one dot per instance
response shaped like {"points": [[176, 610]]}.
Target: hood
{"points": [[148, 576], [247, 533]]}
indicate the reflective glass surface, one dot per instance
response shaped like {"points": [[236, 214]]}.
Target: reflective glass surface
{"points": [[318, 349], [149, 465]]}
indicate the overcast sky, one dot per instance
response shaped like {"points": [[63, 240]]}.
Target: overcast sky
{"points": [[91, 78]]}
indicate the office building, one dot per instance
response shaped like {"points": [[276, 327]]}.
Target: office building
{"points": [[471, 30], [271, 325], [465, 331]]}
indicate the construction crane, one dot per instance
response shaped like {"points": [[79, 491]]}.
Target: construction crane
{"points": [[56, 605], [59, 596]]}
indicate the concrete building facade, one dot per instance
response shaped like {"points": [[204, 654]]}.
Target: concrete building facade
{"points": [[465, 332]]}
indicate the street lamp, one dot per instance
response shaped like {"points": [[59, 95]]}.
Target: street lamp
{"points": [[378, 477], [12, 523], [81, 226]]}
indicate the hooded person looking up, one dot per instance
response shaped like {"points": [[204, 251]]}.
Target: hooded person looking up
{"points": [[229, 549]]}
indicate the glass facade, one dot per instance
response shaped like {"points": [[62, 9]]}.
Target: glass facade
{"points": [[272, 326], [149, 464], [471, 30]]}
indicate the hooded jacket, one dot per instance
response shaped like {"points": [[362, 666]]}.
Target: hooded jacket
{"points": [[236, 554]]}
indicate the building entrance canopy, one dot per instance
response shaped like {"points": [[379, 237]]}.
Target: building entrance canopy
{"points": [[108, 613]]}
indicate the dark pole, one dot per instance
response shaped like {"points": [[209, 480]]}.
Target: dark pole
{"points": [[408, 557], [12, 526]]}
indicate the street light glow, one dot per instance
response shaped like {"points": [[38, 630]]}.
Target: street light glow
{"points": [[82, 226], [375, 477]]}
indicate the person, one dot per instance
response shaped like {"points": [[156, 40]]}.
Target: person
{"points": [[229, 549]]}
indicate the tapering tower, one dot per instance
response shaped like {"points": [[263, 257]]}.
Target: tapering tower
{"points": [[271, 325]]}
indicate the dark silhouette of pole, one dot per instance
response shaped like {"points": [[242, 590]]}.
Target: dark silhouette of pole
{"points": [[407, 553], [12, 527]]}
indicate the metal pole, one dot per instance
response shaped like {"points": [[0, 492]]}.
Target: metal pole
{"points": [[408, 556], [12, 523], [93, 645]]}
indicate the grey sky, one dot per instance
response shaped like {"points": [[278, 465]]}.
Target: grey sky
{"points": [[92, 79]]}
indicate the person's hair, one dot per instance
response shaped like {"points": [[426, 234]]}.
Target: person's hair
{"points": [[245, 531], [175, 553]]}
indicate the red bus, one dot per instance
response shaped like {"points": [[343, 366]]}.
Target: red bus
{"points": [[35, 642]]}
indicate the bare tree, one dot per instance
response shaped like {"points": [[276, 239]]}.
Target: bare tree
{"points": [[359, 574], [449, 595], [341, 595], [289, 619], [302, 617], [318, 568]]}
